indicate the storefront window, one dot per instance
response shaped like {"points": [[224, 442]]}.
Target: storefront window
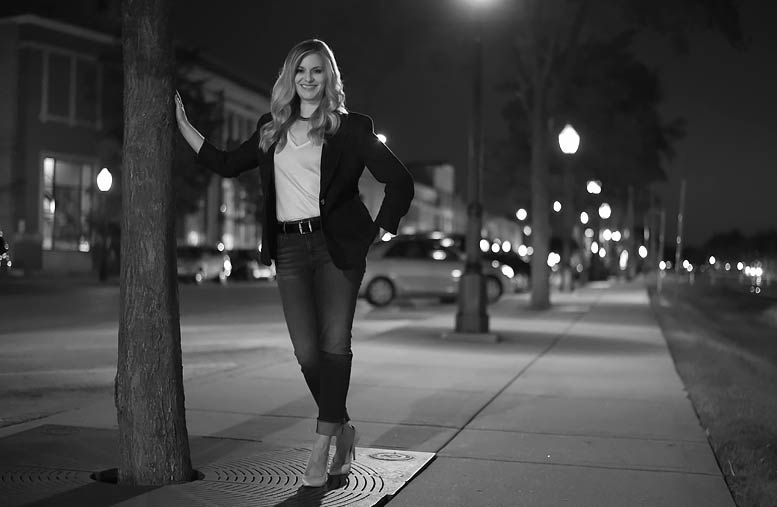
{"points": [[67, 204]]}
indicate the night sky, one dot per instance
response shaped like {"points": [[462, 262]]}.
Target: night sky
{"points": [[406, 63]]}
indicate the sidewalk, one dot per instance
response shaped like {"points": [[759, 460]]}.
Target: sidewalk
{"points": [[580, 405]]}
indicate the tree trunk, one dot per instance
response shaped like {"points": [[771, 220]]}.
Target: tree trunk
{"points": [[540, 286], [153, 440]]}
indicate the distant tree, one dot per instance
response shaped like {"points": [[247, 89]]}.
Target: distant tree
{"points": [[548, 41], [153, 439]]}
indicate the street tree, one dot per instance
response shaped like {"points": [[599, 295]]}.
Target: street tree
{"points": [[548, 38], [153, 439]]}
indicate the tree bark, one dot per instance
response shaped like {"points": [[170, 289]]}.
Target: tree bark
{"points": [[153, 439], [540, 283]]}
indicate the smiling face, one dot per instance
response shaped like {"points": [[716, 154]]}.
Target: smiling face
{"points": [[310, 78]]}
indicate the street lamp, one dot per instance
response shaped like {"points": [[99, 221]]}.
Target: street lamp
{"points": [[471, 317], [104, 182], [594, 187], [569, 142]]}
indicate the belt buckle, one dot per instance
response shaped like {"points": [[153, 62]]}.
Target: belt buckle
{"points": [[303, 231]]}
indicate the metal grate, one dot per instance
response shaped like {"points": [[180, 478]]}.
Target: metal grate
{"points": [[51, 460], [23, 484]]}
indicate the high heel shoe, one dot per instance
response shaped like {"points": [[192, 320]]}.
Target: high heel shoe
{"points": [[316, 481], [345, 451]]}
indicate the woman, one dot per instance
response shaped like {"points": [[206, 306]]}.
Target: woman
{"points": [[311, 152]]}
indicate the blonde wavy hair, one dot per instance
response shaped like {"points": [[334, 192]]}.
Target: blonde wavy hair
{"points": [[285, 103]]}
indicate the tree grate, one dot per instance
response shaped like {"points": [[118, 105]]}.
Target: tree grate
{"points": [[23, 484]]}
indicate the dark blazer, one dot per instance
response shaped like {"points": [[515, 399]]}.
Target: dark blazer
{"points": [[345, 220]]}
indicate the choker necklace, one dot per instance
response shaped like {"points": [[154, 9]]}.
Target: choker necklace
{"points": [[302, 118]]}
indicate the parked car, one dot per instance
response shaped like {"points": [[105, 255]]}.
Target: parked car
{"points": [[201, 263], [521, 270], [246, 265], [421, 265], [5, 255]]}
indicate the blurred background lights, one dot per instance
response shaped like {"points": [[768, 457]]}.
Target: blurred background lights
{"points": [[623, 261], [686, 263], [728, 266], [607, 234], [523, 251], [553, 259], [506, 246], [583, 218], [594, 247], [521, 214], [616, 235], [495, 247], [643, 251], [740, 266], [527, 230], [484, 245], [589, 233], [556, 206], [530, 250], [594, 187], [605, 211], [662, 265], [602, 253], [712, 259]]}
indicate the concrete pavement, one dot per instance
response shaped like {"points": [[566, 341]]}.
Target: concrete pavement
{"points": [[579, 405]]}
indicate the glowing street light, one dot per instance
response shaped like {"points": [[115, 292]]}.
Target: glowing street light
{"points": [[594, 187], [104, 180], [569, 140]]}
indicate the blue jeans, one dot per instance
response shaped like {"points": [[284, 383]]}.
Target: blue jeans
{"points": [[319, 302]]}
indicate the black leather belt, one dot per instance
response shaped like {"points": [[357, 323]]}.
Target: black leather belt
{"points": [[305, 226]]}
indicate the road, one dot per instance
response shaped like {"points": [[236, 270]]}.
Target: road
{"points": [[59, 340]]}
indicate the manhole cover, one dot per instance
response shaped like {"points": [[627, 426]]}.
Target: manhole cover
{"points": [[391, 456]]}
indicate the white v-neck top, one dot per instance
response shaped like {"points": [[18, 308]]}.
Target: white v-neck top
{"points": [[297, 180]]}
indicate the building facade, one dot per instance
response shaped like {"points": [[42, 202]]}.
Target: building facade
{"points": [[60, 124]]}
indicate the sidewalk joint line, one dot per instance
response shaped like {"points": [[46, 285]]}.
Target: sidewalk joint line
{"points": [[581, 465], [523, 370]]}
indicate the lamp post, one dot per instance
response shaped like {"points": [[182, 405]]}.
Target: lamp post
{"points": [[471, 317], [569, 142], [104, 182]]}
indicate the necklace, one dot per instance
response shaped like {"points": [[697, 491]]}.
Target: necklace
{"points": [[302, 118]]}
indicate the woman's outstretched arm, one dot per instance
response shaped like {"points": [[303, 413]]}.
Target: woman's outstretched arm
{"points": [[227, 163], [192, 136]]}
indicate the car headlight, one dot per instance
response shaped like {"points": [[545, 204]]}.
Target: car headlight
{"points": [[507, 271]]}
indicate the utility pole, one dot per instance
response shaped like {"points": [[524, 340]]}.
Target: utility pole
{"points": [[681, 211]]}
